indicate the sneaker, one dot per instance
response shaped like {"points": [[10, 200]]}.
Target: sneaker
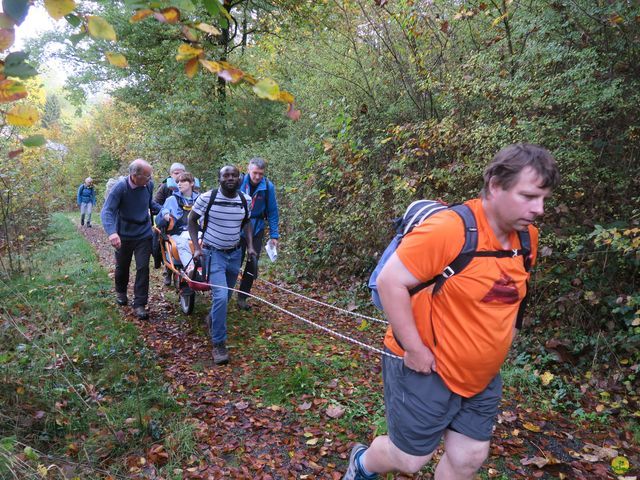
{"points": [[353, 473], [88, 225], [141, 312], [121, 299], [220, 354], [242, 304]]}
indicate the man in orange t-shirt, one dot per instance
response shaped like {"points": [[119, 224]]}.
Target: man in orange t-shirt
{"points": [[450, 345]]}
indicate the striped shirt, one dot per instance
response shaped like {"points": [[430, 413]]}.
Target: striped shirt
{"points": [[225, 219]]}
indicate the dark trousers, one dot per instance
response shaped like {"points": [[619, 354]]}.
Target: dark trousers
{"points": [[141, 249], [251, 268]]}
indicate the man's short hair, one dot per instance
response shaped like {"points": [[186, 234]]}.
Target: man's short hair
{"points": [[258, 163], [176, 166], [186, 177], [510, 161]]}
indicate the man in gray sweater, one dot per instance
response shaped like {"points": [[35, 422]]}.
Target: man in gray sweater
{"points": [[126, 219]]}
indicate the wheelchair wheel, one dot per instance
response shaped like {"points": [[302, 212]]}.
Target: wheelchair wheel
{"points": [[187, 301]]}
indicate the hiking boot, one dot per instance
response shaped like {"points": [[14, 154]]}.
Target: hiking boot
{"points": [[353, 473], [220, 353], [141, 312], [88, 225], [167, 277], [242, 303], [121, 299]]}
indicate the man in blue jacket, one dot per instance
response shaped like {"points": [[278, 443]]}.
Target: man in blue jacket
{"points": [[263, 207], [126, 219]]}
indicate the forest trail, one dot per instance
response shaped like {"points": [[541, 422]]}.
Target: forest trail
{"points": [[242, 436]]}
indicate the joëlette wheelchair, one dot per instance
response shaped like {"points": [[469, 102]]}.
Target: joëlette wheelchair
{"points": [[185, 286]]}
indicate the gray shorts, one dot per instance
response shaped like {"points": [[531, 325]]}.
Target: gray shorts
{"points": [[420, 408]]}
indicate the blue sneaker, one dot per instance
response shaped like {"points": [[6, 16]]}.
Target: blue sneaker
{"points": [[353, 472]]}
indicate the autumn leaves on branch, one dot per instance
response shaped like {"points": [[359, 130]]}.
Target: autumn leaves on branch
{"points": [[14, 68]]}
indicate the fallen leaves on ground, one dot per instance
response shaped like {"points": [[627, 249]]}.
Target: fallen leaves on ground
{"points": [[239, 436]]}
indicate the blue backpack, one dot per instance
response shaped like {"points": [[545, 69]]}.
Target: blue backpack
{"points": [[417, 213]]}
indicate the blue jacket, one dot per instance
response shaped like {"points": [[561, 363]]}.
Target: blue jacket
{"points": [[126, 210], [178, 206], [86, 194], [263, 204]]}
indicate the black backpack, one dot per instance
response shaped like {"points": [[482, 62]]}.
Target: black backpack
{"points": [[418, 212]]}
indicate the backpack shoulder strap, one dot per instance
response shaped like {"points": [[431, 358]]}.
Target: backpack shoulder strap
{"points": [[266, 200], [525, 245], [246, 209], [205, 221], [464, 257], [468, 248]]}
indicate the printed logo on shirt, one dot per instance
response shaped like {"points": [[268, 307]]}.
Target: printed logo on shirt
{"points": [[504, 290]]}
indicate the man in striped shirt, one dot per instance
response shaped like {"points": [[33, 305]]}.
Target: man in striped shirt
{"points": [[226, 212]]}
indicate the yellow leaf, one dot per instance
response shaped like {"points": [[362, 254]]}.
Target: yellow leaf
{"points": [[187, 52], [57, 9], [213, 67], [600, 408], [267, 88], [11, 90], [363, 325], [117, 59], [312, 441], [7, 37], [531, 427], [499, 19], [20, 390], [210, 29], [171, 15], [42, 470], [140, 15], [286, 97], [546, 378], [191, 67], [620, 465], [22, 116], [615, 19], [100, 28]]}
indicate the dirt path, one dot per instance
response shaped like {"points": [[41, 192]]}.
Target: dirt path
{"points": [[239, 437]]}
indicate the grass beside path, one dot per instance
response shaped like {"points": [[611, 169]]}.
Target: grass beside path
{"points": [[81, 396]]}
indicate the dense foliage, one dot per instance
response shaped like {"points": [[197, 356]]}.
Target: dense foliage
{"points": [[400, 100]]}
